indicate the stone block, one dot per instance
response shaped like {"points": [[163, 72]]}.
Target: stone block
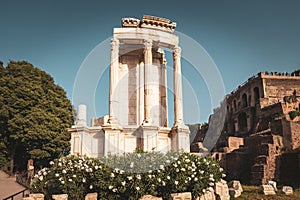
{"points": [[91, 196], [221, 190], [28, 198], [287, 190], [37, 196], [273, 184], [208, 195], [235, 188], [150, 197], [60, 196], [266, 190], [181, 196]]}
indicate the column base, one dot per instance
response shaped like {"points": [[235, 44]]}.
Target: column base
{"points": [[180, 137]]}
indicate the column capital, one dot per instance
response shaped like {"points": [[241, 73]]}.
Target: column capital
{"points": [[114, 43], [176, 51], [148, 44]]}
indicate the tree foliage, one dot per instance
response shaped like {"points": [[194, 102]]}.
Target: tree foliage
{"points": [[34, 116]]}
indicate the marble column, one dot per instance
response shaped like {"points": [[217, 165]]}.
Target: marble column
{"points": [[114, 63], [147, 79], [177, 87]]}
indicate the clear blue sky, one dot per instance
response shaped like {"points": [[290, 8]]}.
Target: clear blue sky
{"points": [[242, 37]]}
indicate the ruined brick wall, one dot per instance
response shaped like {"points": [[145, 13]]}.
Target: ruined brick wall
{"points": [[281, 86], [291, 134]]}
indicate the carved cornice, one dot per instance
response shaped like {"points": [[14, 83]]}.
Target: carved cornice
{"points": [[158, 23], [130, 22]]}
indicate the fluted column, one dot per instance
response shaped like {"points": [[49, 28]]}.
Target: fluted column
{"points": [[114, 63], [148, 64], [177, 86]]}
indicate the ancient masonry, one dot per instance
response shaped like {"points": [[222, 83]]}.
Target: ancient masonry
{"points": [[259, 130], [138, 104]]}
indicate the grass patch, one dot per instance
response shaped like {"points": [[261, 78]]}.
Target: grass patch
{"points": [[251, 193]]}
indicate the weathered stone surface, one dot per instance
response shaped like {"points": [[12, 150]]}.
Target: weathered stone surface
{"points": [[287, 190], [273, 184], [37, 196], [28, 198], [208, 195], [60, 197], [221, 190], [235, 188], [150, 197], [267, 190], [91, 196], [181, 196]]}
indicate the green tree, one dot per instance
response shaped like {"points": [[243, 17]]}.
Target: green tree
{"points": [[34, 116]]}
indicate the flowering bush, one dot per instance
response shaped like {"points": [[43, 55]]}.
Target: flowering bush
{"points": [[128, 176]]}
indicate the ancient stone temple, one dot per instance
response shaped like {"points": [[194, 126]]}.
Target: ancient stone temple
{"points": [[138, 103]]}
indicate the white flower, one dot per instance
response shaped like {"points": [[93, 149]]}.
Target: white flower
{"points": [[91, 187], [137, 188], [56, 175], [223, 175], [96, 167], [112, 175], [110, 187], [62, 182], [176, 182], [83, 180], [74, 175], [51, 163], [177, 170], [114, 190], [150, 176], [221, 169], [138, 177], [183, 169], [131, 165], [64, 171], [159, 180], [168, 177], [139, 155], [211, 179], [41, 178], [201, 171], [70, 180], [211, 189], [211, 175], [175, 165], [129, 177], [59, 164], [168, 161], [203, 190], [193, 176], [213, 164], [196, 179], [178, 162], [186, 181], [123, 183], [163, 183], [187, 160], [121, 171], [211, 184], [161, 166]]}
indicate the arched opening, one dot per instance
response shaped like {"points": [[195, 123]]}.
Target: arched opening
{"points": [[242, 121], [249, 100], [244, 100], [234, 105], [256, 94]]}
